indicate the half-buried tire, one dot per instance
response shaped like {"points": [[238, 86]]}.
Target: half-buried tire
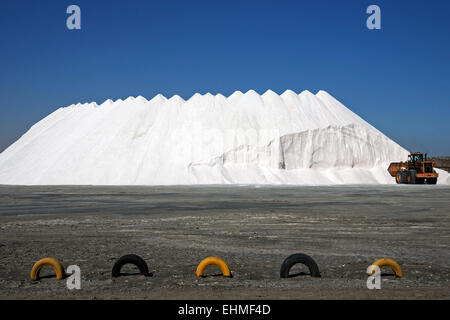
{"points": [[130, 259], [290, 261]]}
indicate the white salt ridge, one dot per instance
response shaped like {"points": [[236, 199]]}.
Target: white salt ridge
{"points": [[208, 139]]}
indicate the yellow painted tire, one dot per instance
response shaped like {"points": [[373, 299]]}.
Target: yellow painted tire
{"points": [[50, 262], [386, 262], [213, 261]]}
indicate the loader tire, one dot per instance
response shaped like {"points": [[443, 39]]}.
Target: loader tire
{"points": [[289, 262], [431, 180], [400, 177], [412, 176], [130, 259]]}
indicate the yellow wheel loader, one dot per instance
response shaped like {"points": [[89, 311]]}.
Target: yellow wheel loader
{"points": [[418, 169]]}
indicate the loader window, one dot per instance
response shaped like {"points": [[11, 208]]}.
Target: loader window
{"points": [[417, 157]]}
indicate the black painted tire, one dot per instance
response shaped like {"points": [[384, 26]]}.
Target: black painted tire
{"points": [[299, 258], [130, 259]]}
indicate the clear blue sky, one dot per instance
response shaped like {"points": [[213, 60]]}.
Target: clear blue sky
{"points": [[396, 78]]}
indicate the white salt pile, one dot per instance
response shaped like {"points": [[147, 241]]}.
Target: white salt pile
{"points": [[243, 139]]}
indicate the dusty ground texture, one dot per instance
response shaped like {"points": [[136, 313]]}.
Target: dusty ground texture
{"points": [[253, 228]]}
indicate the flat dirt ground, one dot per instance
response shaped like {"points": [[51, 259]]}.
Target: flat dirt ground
{"points": [[253, 228]]}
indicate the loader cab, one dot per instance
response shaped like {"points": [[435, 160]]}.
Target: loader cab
{"points": [[416, 157], [421, 163]]}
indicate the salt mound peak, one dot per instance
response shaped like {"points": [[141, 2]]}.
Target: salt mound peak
{"points": [[306, 93], [158, 97], [270, 93], [236, 95], [176, 98], [323, 92], [195, 96], [107, 101], [288, 92], [252, 93], [243, 138], [198, 96], [219, 95]]}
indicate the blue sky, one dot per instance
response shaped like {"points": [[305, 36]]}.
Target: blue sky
{"points": [[396, 78]]}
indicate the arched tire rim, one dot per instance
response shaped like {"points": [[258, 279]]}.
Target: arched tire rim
{"points": [[290, 261], [130, 259]]}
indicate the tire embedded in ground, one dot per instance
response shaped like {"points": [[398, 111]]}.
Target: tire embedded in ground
{"points": [[213, 261], [50, 262], [387, 262], [293, 259], [130, 259]]}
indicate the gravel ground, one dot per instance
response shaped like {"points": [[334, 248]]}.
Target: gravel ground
{"points": [[253, 228]]}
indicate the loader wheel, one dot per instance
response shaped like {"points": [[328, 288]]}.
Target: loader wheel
{"points": [[431, 180], [412, 176], [420, 181], [400, 177]]}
